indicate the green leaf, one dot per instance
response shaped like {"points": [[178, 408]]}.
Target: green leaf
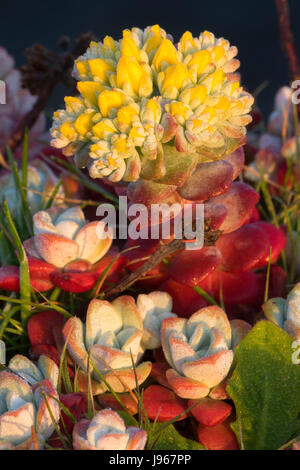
{"points": [[265, 388], [170, 439]]}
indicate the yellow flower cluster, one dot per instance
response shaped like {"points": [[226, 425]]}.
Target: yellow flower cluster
{"points": [[140, 92]]}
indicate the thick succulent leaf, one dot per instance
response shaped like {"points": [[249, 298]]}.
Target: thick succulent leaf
{"points": [[265, 388], [239, 202], [219, 437], [208, 180], [74, 282], [179, 166], [162, 404], [185, 299], [148, 192], [236, 288], [237, 160], [189, 267], [214, 214], [10, 278], [242, 249], [276, 239], [40, 327], [210, 412]]}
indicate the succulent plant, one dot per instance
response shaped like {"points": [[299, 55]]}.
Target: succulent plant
{"points": [[285, 312], [41, 183], [34, 373], [65, 251], [154, 308], [141, 95], [107, 431], [112, 336], [24, 411], [199, 351]]}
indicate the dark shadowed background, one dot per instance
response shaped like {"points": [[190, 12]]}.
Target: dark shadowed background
{"points": [[251, 25]]}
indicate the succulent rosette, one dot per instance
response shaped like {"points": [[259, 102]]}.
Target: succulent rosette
{"points": [[154, 308], [33, 373], [285, 312], [199, 351], [65, 251], [41, 183], [112, 337], [25, 421], [107, 431], [140, 93]]}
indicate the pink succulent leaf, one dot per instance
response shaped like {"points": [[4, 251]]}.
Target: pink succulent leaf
{"points": [[215, 177], [242, 249], [10, 278], [239, 202], [148, 192], [186, 388], [189, 267], [92, 246], [25, 368], [237, 160]]}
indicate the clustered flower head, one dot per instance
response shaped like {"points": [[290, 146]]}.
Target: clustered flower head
{"points": [[141, 92]]}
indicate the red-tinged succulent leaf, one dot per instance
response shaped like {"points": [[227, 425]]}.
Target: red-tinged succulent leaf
{"points": [[153, 279], [242, 249], [162, 404], [40, 327], [208, 180], [77, 404], [10, 278], [210, 412], [186, 300], [158, 373], [189, 267], [219, 391], [237, 288], [148, 192], [254, 217], [276, 239], [74, 282], [237, 160], [46, 350], [239, 201], [40, 273], [214, 214], [220, 437], [107, 400]]}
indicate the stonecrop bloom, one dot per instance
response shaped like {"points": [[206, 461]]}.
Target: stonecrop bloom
{"points": [[285, 312], [141, 92], [200, 350], [107, 431], [112, 336], [24, 411]]}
